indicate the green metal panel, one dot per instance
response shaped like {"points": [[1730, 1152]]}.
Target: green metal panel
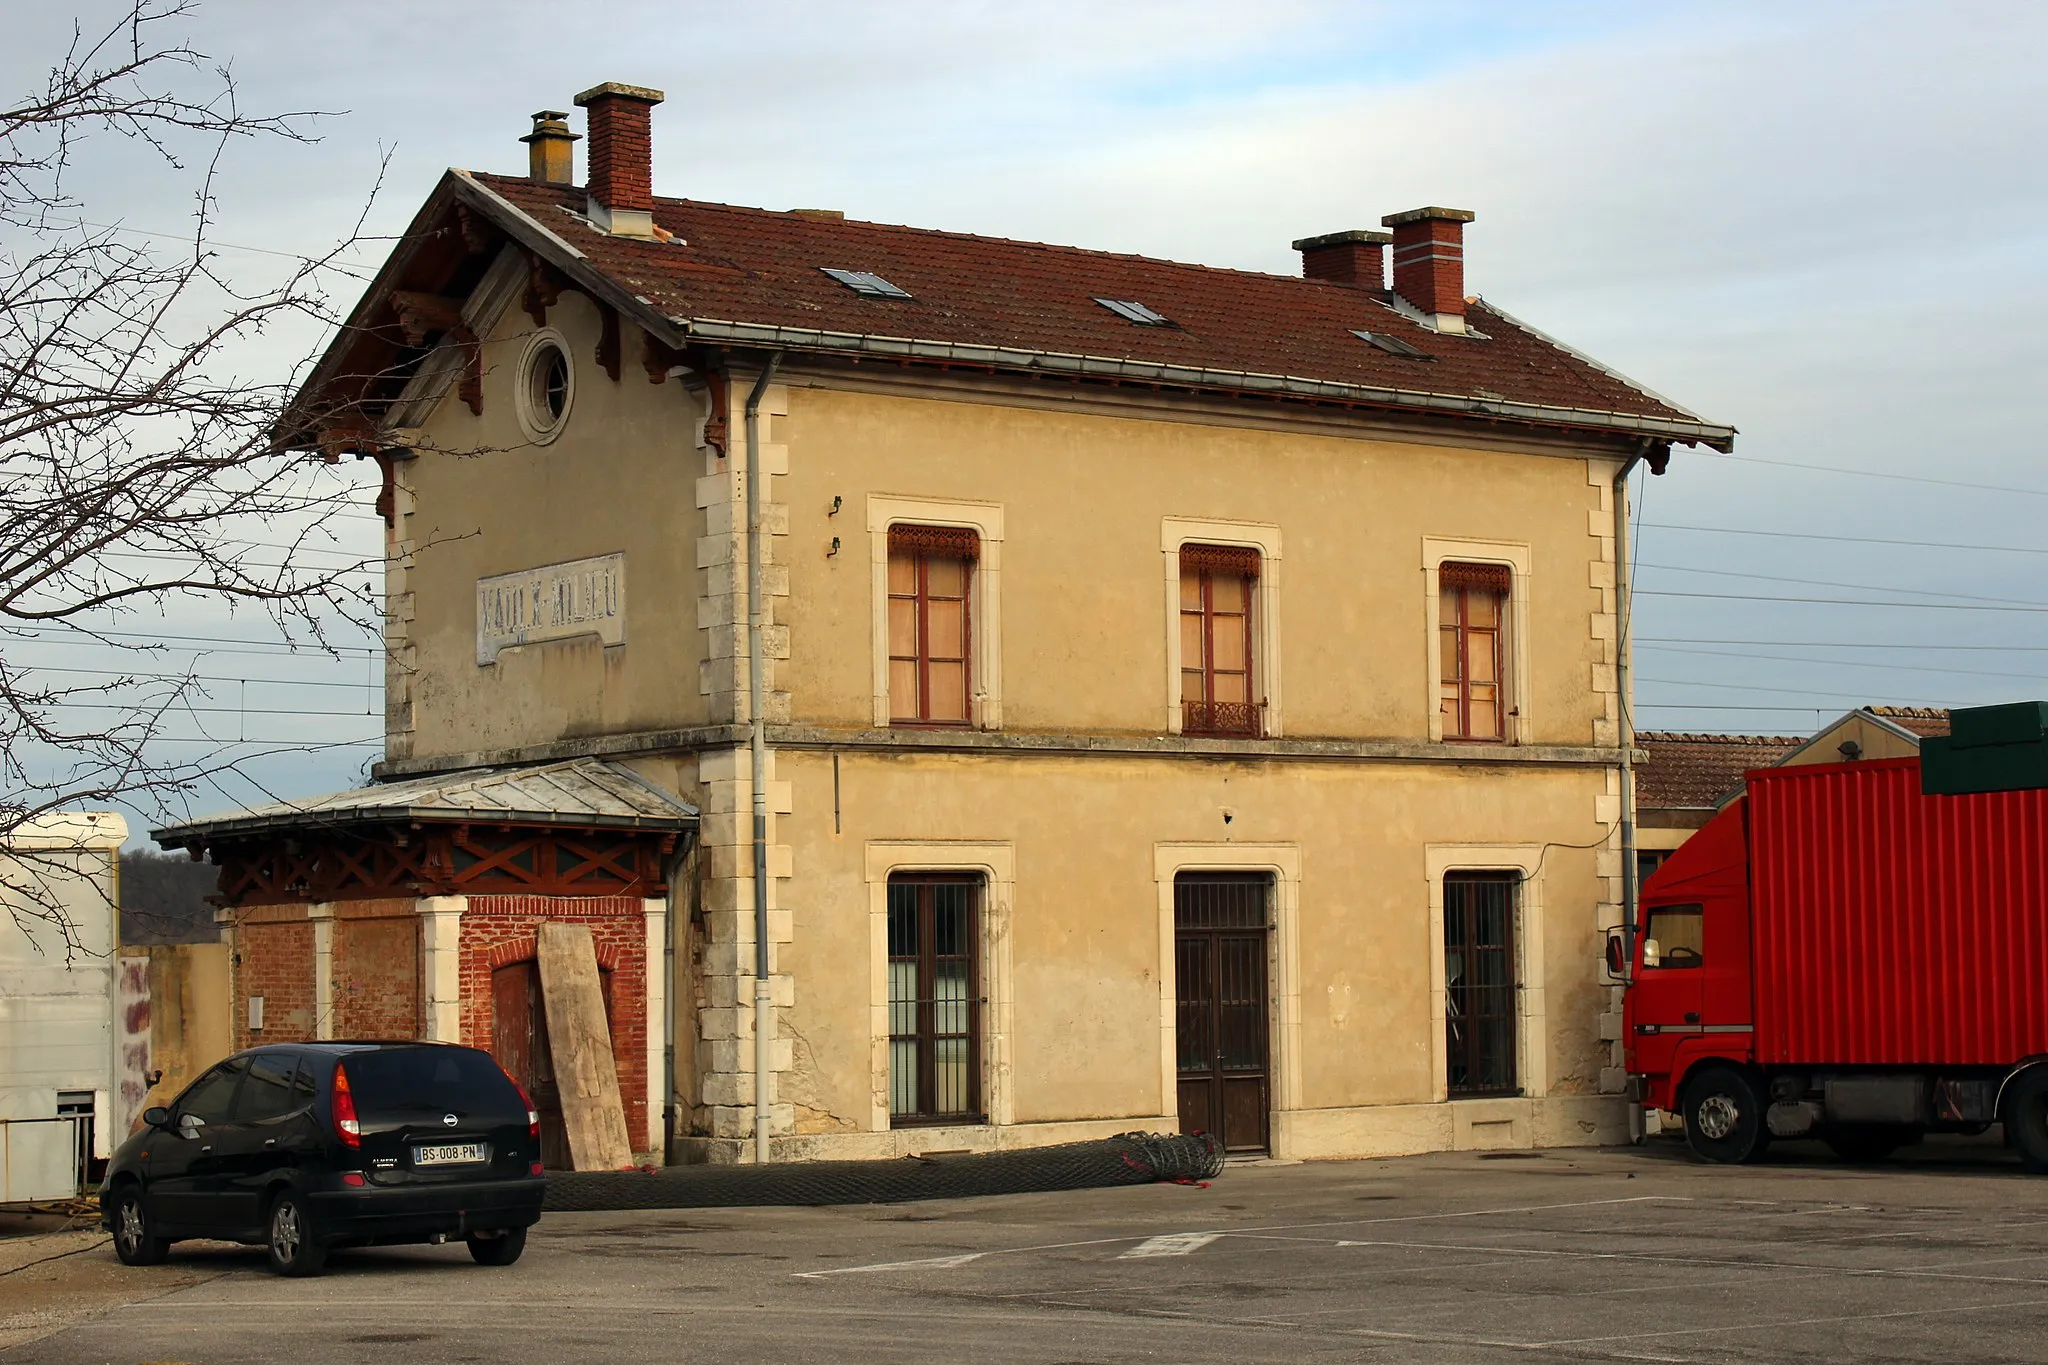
{"points": [[2019, 722], [1989, 749]]}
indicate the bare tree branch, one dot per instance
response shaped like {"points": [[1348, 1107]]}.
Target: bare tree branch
{"points": [[136, 456]]}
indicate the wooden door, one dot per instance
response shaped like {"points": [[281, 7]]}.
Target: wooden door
{"points": [[1220, 954], [519, 1040]]}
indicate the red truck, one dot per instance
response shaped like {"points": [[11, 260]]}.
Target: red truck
{"points": [[1839, 955]]}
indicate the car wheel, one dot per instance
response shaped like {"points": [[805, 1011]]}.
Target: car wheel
{"points": [[497, 1248], [1724, 1116], [2026, 1119], [135, 1239], [294, 1249]]}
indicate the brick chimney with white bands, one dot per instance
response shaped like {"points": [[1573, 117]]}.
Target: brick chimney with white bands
{"points": [[1429, 263], [621, 188]]}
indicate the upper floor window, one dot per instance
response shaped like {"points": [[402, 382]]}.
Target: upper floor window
{"points": [[1472, 659], [931, 579], [1218, 585]]}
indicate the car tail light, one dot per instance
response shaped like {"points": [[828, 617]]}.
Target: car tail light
{"points": [[533, 1168], [345, 1125], [532, 1114]]}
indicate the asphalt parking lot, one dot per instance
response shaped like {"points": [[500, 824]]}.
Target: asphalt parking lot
{"points": [[1576, 1255]]}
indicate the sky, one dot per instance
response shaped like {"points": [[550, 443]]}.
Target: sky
{"points": [[1823, 223]]}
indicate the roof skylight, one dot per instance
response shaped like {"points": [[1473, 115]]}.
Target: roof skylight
{"points": [[1132, 311], [1391, 345], [867, 285]]}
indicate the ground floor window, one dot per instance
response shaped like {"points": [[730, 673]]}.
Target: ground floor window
{"points": [[1479, 982], [934, 999]]}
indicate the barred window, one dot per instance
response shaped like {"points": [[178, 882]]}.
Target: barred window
{"points": [[934, 999], [931, 574], [1479, 982], [1218, 584], [1471, 630]]}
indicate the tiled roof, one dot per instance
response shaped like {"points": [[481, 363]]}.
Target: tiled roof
{"points": [[1683, 771], [751, 276], [584, 792], [1924, 721]]}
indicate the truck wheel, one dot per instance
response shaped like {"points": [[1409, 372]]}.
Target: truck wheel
{"points": [[1724, 1116], [1863, 1142], [2026, 1119]]}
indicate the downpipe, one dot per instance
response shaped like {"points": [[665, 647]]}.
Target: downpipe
{"points": [[1626, 736], [757, 740]]}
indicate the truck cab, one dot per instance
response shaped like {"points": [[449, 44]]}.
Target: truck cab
{"points": [[1689, 996]]}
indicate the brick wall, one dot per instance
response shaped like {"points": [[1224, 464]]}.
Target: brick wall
{"points": [[497, 930], [377, 987], [273, 947]]}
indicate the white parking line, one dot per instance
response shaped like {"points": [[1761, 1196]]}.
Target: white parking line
{"points": [[944, 1261], [927, 1263], [1172, 1244]]}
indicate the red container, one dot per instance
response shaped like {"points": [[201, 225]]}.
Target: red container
{"points": [[1891, 928]]}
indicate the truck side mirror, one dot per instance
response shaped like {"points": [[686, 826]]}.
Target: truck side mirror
{"points": [[1617, 961], [156, 1116]]}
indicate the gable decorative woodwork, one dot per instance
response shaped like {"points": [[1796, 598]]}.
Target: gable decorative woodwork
{"points": [[543, 286], [352, 862], [608, 340], [422, 315]]}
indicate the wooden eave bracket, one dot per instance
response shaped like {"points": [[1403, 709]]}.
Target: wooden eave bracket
{"points": [[608, 340], [422, 315], [544, 285]]}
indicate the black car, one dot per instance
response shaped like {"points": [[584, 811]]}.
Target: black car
{"points": [[305, 1147]]}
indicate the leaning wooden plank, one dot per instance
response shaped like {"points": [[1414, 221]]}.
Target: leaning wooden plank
{"points": [[593, 1115]]}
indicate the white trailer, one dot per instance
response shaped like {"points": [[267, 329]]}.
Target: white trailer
{"points": [[59, 1029]]}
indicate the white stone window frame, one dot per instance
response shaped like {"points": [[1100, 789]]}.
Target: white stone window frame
{"points": [[1264, 537], [1283, 967], [538, 432], [1517, 559], [985, 599], [996, 863], [1532, 1042]]}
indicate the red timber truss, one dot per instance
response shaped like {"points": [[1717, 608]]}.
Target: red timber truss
{"points": [[355, 861]]}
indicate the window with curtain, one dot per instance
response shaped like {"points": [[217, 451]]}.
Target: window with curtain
{"points": [[1472, 650], [931, 576], [1218, 585]]}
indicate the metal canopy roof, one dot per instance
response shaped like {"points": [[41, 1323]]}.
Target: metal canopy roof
{"points": [[589, 793]]}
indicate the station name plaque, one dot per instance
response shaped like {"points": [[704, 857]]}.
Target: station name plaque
{"points": [[553, 602]]}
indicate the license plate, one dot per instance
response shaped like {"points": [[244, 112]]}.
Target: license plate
{"points": [[453, 1154]]}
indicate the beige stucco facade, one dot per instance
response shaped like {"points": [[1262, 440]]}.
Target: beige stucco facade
{"points": [[1072, 797]]}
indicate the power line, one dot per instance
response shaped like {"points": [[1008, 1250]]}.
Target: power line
{"points": [[1825, 663], [1841, 644], [1778, 691], [1825, 583], [154, 636], [1876, 474], [180, 708], [191, 677], [1832, 601], [1850, 540]]}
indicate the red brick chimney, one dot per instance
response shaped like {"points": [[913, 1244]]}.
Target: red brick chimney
{"points": [[621, 186], [1355, 257], [1429, 262]]}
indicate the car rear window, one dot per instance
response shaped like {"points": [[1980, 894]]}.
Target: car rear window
{"points": [[403, 1082]]}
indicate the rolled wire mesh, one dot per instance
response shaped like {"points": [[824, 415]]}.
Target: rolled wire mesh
{"points": [[1127, 1159]]}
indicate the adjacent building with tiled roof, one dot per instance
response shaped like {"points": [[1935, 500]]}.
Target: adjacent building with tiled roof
{"points": [[1118, 693]]}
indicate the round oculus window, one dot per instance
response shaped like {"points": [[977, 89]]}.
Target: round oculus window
{"points": [[547, 388]]}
